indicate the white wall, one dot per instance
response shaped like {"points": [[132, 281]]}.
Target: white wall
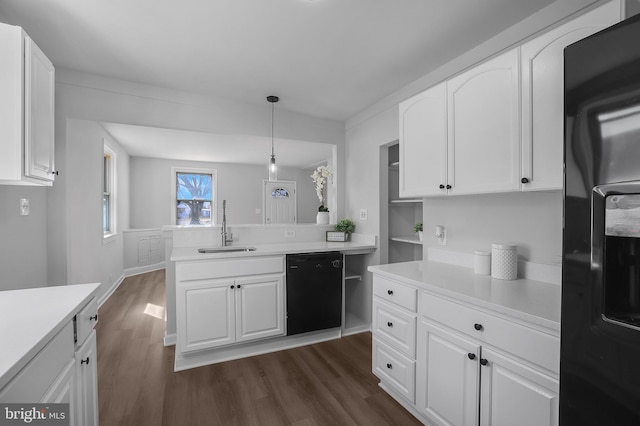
{"points": [[89, 258], [239, 184], [23, 250]]}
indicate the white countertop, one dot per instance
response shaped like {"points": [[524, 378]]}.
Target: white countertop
{"points": [[191, 253], [29, 318], [533, 301]]}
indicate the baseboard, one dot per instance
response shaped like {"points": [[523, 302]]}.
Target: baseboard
{"points": [[137, 270], [110, 291], [170, 339]]}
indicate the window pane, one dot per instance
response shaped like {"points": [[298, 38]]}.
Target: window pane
{"points": [[193, 186], [105, 214]]}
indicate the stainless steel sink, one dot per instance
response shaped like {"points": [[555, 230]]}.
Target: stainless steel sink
{"points": [[227, 249]]}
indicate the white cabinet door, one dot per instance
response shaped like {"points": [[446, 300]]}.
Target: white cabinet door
{"points": [[423, 143], [205, 314], [39, 113], [514, 394], [543, 97], [447, 377], [484, 130], [86, 366], [259, 304]]}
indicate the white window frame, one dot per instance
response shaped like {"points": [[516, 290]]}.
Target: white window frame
{"points": [[112, 189], [214, 191]]}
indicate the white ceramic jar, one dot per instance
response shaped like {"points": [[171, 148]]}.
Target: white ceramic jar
{"points": [[504, 261], [482, 262]]}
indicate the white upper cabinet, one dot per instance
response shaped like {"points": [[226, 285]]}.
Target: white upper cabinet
{"points": [[484, 149], [27, 85], [498, 126], [423, 143], [542, 97]]}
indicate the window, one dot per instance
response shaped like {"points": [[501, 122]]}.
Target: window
{"points": [[108, 195], [194, 189]]}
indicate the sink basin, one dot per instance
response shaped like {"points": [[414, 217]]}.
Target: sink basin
{"points": [[229, 249]]}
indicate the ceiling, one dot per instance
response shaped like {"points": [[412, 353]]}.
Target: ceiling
{"points": [[324, 58]]}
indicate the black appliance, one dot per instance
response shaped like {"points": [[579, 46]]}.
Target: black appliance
{"points": [[314, 291], [600, 331]]}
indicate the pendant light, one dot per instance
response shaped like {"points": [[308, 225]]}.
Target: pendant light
{"points": [[273, 169]]}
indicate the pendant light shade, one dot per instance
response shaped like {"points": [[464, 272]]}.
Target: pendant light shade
{"points": [[273, 169]]}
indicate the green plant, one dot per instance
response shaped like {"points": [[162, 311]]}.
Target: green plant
{"points": [[417, 227], [345, 225], [322, 208]]}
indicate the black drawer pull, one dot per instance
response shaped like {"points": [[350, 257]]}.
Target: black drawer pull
{"points": [[84, 361], [390, 292], [477, 326], [389, 366], [471, 356], [389, 324], [93, 318], [483, 361], [232, 287]]}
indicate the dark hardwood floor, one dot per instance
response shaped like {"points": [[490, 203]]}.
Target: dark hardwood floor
{"points": [[324, 384]]}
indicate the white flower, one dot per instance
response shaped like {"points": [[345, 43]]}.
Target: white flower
{"points": [[320, 177]]}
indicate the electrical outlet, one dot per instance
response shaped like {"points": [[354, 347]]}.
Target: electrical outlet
{"points": [[364, 214], [24, 207]]}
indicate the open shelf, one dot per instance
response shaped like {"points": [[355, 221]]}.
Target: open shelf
{"points": [[406, 201], [394, 165], [410, 240], [348, 275]]}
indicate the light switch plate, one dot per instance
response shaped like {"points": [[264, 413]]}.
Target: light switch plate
{"points": [[24, 207], [364, 214]]}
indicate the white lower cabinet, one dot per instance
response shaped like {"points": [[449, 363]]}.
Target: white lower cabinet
{"points": [[63, 371], [86, 376], [465, 377], [214, 312], [448, 376]]}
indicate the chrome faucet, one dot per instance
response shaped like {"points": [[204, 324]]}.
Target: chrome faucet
{"points": [[226, 237]]}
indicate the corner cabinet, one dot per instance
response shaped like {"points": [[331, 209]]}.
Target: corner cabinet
{"points": [[221, 302], [27, 107]]}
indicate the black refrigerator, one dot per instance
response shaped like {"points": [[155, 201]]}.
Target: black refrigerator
{"points": [[600, 331]]}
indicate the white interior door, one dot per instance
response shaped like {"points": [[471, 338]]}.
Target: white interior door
{"points": [[279, 201]]}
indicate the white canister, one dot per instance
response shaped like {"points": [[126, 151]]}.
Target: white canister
{"points": [[504, 261], [482, 262]]}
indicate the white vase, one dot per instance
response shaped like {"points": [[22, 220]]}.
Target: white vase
{"points": [[322, 218], [419, 235]]}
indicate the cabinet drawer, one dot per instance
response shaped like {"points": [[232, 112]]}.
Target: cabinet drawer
{"points": [[527, 343], [396, 327], [220, 268], [395, 369], [31, 383], [396, 293], [86, 320]]}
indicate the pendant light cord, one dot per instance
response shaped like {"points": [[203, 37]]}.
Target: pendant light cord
{"points": [[272, 108]]}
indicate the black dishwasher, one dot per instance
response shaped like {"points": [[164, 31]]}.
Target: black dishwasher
{"points": [[314, 291]]}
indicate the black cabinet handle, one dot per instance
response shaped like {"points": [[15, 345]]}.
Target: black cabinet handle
{"points": [[93, 318], [448, 186], [471, 355], [390, 292], [483, 361], [441, 186], [389, 324], [389, 366], [232, 287], [524, 180], [239, 286], [477, 326], [84, 361]]}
